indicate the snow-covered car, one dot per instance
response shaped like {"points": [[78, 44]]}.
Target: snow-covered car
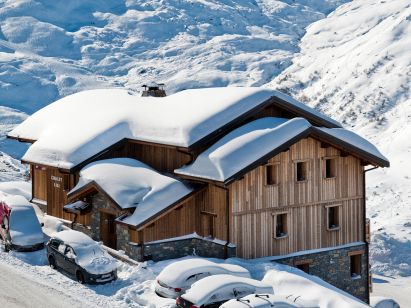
{"points": [[215, 290], [261, 301], [20, 228], [177, 277], [77, 254]]}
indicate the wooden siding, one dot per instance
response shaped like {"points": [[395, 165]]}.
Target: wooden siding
{"points": [[205, 213], [254, 203], [52, 186], [181, 221], [161, 158], [39, 180]]}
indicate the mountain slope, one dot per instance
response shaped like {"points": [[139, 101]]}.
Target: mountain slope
{"points": [[356, 66], [49, 49]]}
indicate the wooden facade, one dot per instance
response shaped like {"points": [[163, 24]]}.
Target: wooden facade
{"points": [[255, 204], [245, 211]]}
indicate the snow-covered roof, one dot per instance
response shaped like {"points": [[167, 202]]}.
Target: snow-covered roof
{"points": [[220, 287], [247, 144], [74, 128], [132, 184]]}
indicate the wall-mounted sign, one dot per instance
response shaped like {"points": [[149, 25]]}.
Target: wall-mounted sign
{"points": [[57, 180]]}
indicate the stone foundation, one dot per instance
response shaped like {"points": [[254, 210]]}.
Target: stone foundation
{"points": [[187, 247], [333, 266]]}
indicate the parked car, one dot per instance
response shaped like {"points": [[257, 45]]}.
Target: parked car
{"points": [[177, 277], [215, 290], [20, 228], [77, 254], [262, 301]]}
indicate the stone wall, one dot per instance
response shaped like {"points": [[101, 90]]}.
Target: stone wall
{"points": [[333, 266], [187, 247], [133, 250]]}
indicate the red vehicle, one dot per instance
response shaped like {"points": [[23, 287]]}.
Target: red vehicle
{"points": [[20, 228]]}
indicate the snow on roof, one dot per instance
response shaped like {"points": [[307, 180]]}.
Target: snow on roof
{"points": [[218, 285], [252, 141], [131, 183], [74, 238], [243, 146], [76, 127], [354, 140]]}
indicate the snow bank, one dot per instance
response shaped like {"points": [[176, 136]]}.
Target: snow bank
{"points": [[132, 183], [245, 145], [287, 281], [21, 188]]}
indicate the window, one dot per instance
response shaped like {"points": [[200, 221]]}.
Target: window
{"points": [[330, 168], [280, 225], [271, 173], [70, 253], [304, 266], [333, 217], [301, 172], [355, 266], [208, 223]]}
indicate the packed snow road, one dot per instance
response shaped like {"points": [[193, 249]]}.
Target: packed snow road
{"points": [[17, 290]]}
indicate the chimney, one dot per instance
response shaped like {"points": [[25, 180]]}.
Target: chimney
{"points": [[154, 89]]}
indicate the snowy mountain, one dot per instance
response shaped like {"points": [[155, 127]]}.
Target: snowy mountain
{"points": [[49, 49], [355, 65]]}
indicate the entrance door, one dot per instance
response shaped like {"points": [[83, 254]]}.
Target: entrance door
{"points": [[108, 230]]}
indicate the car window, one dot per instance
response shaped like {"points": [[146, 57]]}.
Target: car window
{"points": [[243, 291], [197, 277], [62, 248], [54, 244], [70, 253]]}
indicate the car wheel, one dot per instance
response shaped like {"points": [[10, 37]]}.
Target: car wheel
{"points": [[52, 263], [80, 277]]}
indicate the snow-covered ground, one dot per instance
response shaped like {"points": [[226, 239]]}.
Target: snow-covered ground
{"points": [[135, 284]]}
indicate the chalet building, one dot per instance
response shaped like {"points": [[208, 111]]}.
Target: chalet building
{"points": [[217, 172]]}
